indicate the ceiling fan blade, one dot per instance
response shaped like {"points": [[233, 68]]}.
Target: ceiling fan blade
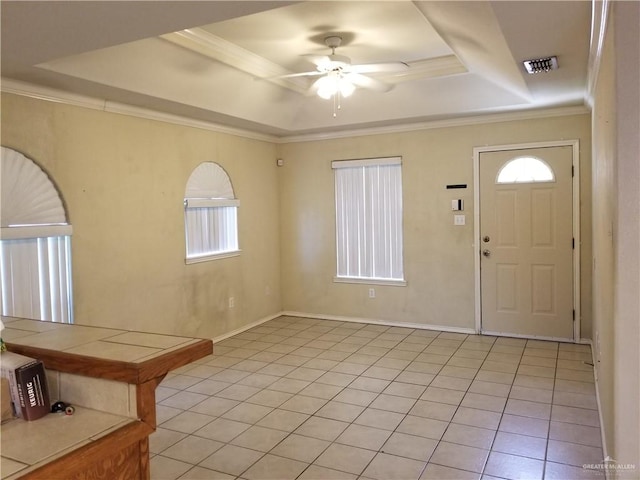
{"points": [[379, 67], [291, 75], [313, 89], [316, 59], [368, 82]]}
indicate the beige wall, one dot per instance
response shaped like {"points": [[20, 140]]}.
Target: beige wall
{"points": [[438, 256], [627, 228], [603, 215], [123, 181], [616, 237]]}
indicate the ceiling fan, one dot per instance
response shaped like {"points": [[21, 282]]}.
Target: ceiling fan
{"points": [[339, 77]]}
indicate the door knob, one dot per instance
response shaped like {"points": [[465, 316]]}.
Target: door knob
{"points": [[486, 253], [486, 239]]}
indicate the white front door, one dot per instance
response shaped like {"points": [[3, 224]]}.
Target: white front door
{"points": [[526, 242]]}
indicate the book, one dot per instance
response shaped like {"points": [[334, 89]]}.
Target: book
{"points": [[28, 385]]}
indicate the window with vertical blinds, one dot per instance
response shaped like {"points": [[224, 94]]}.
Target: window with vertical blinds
{"points": [[36, 278], [369, 220], [35, 244], [211, 230], [211, 214]]}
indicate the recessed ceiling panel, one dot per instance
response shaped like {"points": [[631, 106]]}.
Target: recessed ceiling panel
{"points": [[371, 31]]}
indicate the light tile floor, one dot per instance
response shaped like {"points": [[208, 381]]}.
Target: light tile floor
{"points": [[299, 398]]}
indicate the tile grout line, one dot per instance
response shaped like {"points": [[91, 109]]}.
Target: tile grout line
{"points": [[369, 404], [460, 404], [505, 405], [454, 413], [407, 414], [310, 416], [553, 394]]}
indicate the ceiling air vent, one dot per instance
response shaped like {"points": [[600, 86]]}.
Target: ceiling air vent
{"points": [[541, 65]]}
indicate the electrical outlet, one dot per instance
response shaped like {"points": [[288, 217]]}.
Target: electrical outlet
{"points": [[372, 293], [232, 302], [459, 219]]}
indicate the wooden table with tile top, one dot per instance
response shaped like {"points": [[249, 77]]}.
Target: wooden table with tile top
{"points": [[110, 376]]}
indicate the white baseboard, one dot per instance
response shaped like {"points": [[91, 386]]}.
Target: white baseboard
{"points": [[245, 327], [603, 437], [422, 326]]}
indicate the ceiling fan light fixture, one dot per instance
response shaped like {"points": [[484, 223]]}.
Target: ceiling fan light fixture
{"points": [[334, 83], [346, 88], [327, 87], [333, 62]]}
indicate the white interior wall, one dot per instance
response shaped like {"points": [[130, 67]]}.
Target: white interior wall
{"points": [[616, 238], [626, 435]]}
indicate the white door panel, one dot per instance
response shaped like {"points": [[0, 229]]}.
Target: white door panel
{"points": [[526, 236]]}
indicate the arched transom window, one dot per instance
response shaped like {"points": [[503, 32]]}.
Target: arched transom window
{"points": [[35, 244], [525, 170], [211, 214]]}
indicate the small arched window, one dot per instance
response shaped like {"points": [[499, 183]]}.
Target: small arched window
{"points": [[35, 245], [211, 214], [525, 170]]}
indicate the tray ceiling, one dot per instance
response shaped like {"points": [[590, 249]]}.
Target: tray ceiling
{"points": [[214, 61]]}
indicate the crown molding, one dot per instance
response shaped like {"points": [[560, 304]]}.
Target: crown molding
{"points": [[17, 87], [452, 122], [58, 96], [431, 67], [52, 95]]}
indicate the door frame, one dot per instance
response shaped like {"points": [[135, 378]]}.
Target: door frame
{"points": [[575, 144]]}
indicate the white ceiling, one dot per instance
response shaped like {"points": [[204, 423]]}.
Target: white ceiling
{"points": [[212, 60]]}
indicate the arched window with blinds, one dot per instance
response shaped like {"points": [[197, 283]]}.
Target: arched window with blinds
{"points": [[211, 214], [35, 243]]}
